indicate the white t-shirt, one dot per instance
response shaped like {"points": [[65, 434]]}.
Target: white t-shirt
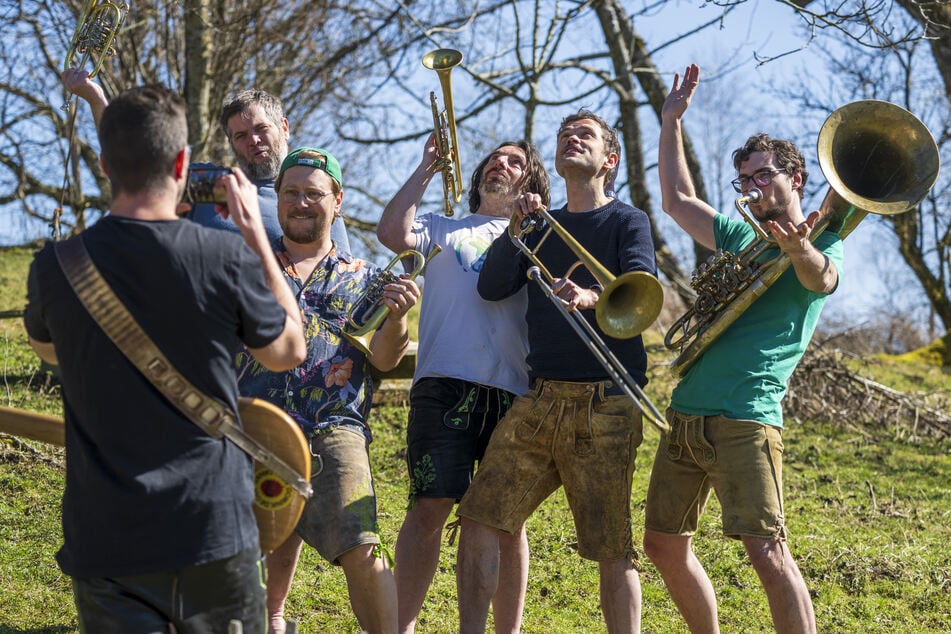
{"points": [[461, 335]]}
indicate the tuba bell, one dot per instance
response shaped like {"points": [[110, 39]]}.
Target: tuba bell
{"points": [[877, 157], [443, 60]]}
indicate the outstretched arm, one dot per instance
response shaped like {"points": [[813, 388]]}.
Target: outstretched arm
{"points": [[679, 198], [395, 229], [77, 82]]}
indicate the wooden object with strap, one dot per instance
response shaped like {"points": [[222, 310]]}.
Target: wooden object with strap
{"points": [[215, 418]]}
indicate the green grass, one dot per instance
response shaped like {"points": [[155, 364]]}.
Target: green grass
{"points": [[869, 515]]}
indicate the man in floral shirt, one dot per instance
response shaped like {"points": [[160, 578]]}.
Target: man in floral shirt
{"points": [[329, 395]]}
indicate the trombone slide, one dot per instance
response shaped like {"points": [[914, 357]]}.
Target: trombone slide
{"points": [[615, 369]]}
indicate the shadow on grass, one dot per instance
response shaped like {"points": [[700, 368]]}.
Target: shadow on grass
{"points": [[53, 629]]}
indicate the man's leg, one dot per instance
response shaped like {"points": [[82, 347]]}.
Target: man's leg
{"points": [[417, 555], [477, 574], [620, 588], [789, 600], [281, 565], [372, 589], [686, 580], [509, 600]]}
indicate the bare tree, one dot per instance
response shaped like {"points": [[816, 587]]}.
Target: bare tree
{"points": [[205, 48]]}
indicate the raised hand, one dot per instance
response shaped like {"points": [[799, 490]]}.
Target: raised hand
{"points": [[680, 94]]}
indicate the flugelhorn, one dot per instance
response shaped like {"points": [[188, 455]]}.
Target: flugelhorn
{"points": [[628, 305], [368, 312], [443, 60], [876, 156], [95, 33]]}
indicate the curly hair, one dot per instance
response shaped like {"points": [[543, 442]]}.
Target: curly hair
{"points": [[787, 155]]}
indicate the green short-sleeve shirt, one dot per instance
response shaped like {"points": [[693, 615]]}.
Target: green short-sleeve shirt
{"points": [[743, 373]]}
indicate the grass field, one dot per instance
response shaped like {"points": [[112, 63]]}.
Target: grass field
{"points": [[869, 514]]}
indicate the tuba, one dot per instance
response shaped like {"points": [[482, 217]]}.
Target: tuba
{"points": [[95, 32], [876, 156], [443, 60], [368, 312], [628, 305]]}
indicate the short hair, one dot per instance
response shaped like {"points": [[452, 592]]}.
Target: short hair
{"points": [[141, 134], [612, 144], [787, 156], [244, 100], [535, 181]]}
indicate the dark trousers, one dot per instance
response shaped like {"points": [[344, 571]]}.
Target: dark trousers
{"points": [[199, 599]]}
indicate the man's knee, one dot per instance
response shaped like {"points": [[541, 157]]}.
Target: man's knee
{"points": [[767, 555], [661, 548], [430, 514]]}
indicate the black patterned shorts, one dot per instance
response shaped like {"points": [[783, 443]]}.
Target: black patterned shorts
{"points": [[450, 422]]}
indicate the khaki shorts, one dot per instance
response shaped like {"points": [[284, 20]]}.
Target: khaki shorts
{"points": [[341, 515], [742, 460], [562, 434]]}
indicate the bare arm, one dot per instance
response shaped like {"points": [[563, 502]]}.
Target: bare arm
{"points": [[395, 229], [289, 349], [77, 82], [814, 269], [389, 343], [679, 197], [44, 350]]}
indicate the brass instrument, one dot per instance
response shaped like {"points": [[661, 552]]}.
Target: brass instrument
{"points": [[368, 312], [95, 32], [443, 60], [876, 156], [628, 305]]}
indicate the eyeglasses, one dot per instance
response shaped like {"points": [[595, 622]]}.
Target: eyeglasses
{"points": [[761, 178], [311, 196]]}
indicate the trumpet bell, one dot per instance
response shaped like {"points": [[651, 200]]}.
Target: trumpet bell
{"points": [[442, 59], [629, 304]]}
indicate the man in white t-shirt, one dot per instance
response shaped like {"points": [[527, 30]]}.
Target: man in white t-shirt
{"points": [[470, 365]]}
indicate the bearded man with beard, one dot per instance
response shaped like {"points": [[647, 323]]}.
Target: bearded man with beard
{"points": [[254, 122], [726, 414], [470, 364], [329, 395]]}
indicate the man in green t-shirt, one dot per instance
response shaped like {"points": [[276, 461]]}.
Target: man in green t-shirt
{"points": [[726, 412]]}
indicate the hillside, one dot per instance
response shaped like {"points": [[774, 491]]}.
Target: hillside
{"points": [[868, 507]]}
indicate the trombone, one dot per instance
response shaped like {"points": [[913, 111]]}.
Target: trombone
{"points": [[628, 305], [443, 60], [368, 312]]}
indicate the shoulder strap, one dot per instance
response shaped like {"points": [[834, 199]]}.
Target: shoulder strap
{"points": [[120, 326]]}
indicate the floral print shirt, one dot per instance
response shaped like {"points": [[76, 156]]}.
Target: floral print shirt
{"points": [[332, 386]]}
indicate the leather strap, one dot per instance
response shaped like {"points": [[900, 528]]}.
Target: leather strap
{"points": [[216, 419]]}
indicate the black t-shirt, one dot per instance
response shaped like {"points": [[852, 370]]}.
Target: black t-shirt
{"points": [[146, 489], [618, 236]]}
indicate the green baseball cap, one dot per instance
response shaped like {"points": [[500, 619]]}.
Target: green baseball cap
{"points": [[305, 156]]}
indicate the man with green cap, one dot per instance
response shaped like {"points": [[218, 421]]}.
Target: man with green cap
{"points": [[329, 395]]}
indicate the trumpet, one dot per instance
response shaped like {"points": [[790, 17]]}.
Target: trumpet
{"points": [[368, 312], [628, 305], [443, 60], [95, 33]]}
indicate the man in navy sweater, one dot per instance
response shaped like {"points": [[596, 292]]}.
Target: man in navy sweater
{"points": [[574, 427]]}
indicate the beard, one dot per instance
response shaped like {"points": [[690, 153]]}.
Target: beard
{"points": [[303, 230], [268, 168], [497, 186]]}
